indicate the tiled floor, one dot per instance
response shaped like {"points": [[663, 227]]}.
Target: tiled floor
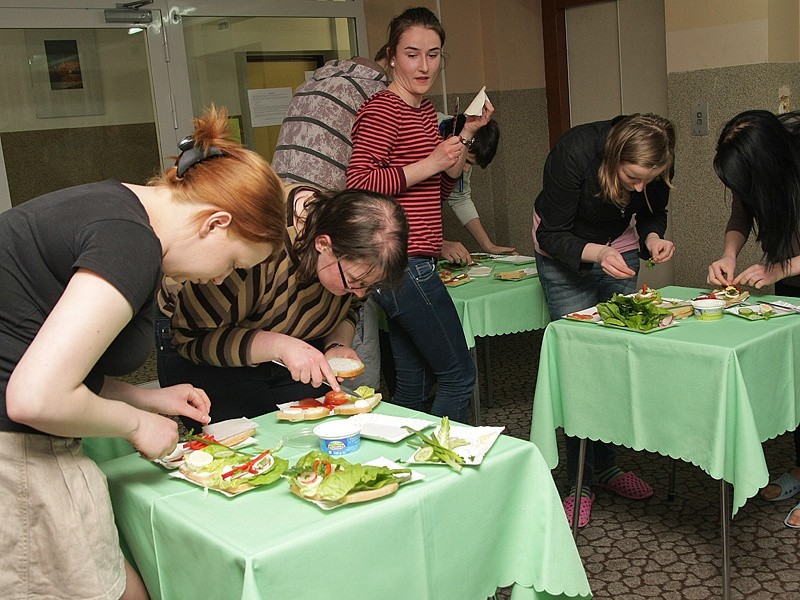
{"points": [[655, 548]]}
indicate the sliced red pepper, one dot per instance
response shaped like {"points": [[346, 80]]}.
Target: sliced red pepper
{"points": [[248, 466], [198, 445]]}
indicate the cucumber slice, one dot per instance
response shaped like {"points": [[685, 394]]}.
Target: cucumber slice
{"points": [[424, 454]]}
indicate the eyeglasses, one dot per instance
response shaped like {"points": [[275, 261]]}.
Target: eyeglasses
{"points": [[357, 288]]}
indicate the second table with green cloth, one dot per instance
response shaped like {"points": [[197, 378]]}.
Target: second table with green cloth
{"points": [[449, 536], [489, 306], [706, 392]]}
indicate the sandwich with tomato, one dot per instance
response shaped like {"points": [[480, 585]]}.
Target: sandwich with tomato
{"points": [[334, 403], [219, 467], [730, 294], [320, 477]]}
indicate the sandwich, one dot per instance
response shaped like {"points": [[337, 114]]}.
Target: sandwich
{"points": [[320, 477], [730, 294], [224, 469], [231, 433], [334, 403], [346, 367]]}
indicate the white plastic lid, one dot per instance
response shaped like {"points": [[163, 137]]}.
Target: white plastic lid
{"points": [[335, 430]]}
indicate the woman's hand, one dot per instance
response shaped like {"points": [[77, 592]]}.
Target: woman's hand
{"points": [[474, 123], [455, 252], [493, 248], [720, 272], [154, 436], [447, 153], [661, 250], [612, 263], [183, 400], [305, 363], [759, 275]]}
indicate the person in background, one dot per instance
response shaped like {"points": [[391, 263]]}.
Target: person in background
{"points": [[758, 160], [603, 205], [314, 147], [398, 151], [298, 307], [481, 152], [79, 269]]}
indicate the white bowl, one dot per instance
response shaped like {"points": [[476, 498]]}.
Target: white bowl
{"points": [[708, 309]]}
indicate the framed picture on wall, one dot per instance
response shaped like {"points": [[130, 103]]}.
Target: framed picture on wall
{"points": [[65, 72]]}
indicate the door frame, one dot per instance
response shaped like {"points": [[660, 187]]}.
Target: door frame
{"points": [[556, 74]]}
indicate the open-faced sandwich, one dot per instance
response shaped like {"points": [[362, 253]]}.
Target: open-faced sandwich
{"points": [[218, 467], [320, 477], [231, 433], [334, 403], [730, 294], [451, 279]]}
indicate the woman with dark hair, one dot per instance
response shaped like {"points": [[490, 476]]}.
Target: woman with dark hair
{"points": [[758, 159], [298, 307], [79, 270], [398, 151], [603, 205]]}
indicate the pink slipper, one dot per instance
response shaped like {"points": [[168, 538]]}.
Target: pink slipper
{"points": [[628, 485], [584, 512]]}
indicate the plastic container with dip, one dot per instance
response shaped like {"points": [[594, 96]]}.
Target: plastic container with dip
{"points": [[338, 437], [708, 309]]}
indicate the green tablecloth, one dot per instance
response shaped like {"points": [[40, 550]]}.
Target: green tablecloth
{"points": [[450, 536], [489, 306], [707, 392]]}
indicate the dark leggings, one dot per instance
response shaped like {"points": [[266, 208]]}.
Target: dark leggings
{"points": [[783, 289]]}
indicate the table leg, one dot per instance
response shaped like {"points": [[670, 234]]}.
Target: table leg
{"points": [[725, 518], [576, 510], [671, 489], [476, 392]]}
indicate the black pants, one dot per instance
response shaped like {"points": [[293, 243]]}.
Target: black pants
{"points": [[783, 289], [234, 391]]}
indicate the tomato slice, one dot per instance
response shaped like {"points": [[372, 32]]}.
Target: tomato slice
{"points": [[309, 403], [336, 398]]}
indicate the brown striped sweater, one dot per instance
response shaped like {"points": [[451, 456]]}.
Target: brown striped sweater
{"points": [[215, 324]]}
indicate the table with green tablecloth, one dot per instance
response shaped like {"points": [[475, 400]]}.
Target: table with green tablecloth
{"points": [[706, 392], [450, 536], [489, 306]]}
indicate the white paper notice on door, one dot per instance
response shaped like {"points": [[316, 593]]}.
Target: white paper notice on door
{"points": [[268, 106]]}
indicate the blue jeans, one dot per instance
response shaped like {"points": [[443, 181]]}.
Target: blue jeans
{"points": [[566, 292], [427, 342]]}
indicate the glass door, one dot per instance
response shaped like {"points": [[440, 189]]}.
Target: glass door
{"points": [[250, 56], [79, 101]]}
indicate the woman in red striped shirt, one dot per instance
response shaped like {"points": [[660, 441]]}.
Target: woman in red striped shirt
{"points": [[398, 151]]}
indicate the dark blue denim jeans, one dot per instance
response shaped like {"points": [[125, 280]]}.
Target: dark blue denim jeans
{"points": [[566, 292], [428, 342]]}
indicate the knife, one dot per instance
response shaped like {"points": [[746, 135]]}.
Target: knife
{"points": [[346, 390]]}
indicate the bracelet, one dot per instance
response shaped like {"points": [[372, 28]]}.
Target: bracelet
{"points": [[466, 142], [333, 345]]}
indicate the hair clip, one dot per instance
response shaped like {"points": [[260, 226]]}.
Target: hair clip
{"points": [[191, 154]]}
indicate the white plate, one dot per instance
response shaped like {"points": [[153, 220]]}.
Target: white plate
{"points": [[387, 428], [479, 271], [777, 311], [514, 259], [480, 440], [376, 462]]}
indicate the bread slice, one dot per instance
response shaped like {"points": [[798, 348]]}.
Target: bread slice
{"points": [[303, 414], [232, 431], [346, 367], [358, 407], [355, 497]]}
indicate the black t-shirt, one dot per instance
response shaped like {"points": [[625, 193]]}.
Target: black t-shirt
{"points": [[101, 227]]}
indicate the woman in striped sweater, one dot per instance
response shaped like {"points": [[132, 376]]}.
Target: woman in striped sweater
{"points": [[398, 151], [298, 306]]}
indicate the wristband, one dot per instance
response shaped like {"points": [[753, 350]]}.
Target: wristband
{"points": [[333, 345]]}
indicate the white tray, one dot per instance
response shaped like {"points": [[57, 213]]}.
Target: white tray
{"points": [[388, 428]]}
